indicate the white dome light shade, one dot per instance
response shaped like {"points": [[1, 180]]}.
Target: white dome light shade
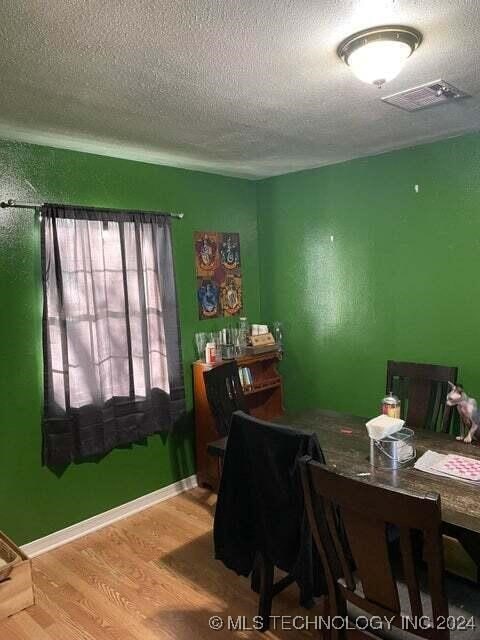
{"points": [[379, 62], [377, 55]]}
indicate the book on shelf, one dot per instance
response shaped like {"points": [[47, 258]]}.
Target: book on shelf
{"points": [[240, 375], [245, 375]]}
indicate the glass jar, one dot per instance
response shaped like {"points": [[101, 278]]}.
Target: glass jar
{"points": [[201, 340], [391, 406], [278, 333], [243, 331]]}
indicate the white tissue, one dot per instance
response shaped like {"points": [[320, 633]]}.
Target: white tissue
{"points": [[383, 426]]}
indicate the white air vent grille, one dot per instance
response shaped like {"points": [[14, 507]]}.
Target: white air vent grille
{"points": [[426, 95]]}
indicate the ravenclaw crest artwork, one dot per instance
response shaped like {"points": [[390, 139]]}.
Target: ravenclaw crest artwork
{"points": [[218, 273]]}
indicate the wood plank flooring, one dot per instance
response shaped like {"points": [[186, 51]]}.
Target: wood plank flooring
{"points": [[149, 577]]}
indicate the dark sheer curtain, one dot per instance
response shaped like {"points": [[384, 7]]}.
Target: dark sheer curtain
{"points": [[111, 338]]}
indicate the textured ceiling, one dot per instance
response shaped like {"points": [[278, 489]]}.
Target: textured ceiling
{"points": [[241, 87]]}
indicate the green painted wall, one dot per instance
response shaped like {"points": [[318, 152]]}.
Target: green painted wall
{"points": [[400, 280], [33, 500]]}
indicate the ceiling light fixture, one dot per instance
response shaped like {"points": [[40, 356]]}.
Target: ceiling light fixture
{"points": [[377, 55]]}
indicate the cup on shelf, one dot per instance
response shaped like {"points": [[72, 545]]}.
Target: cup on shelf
{"points": [[210, 353], [243, 333], [228, 351], [277, 332], [201, 340]]}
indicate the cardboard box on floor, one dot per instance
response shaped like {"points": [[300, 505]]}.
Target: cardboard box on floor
{"points": [[16, 592]]}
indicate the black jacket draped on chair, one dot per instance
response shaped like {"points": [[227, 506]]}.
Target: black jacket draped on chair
{"points": [[260, 505]]}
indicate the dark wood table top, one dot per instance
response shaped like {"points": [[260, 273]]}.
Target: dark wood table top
{"points": [[349, 453]]}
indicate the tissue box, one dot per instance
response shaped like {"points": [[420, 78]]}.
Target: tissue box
{"points": [[383, 426]]}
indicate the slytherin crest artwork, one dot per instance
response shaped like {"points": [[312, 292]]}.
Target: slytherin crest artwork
{"points": [[219, 275]]}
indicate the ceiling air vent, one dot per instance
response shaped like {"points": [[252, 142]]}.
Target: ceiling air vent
{"points": [[425, 96]]}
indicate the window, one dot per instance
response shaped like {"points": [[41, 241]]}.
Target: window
{"points": [[112, 364]]}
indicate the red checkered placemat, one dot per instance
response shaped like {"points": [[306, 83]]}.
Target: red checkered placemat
{"points": [[459, 467]]}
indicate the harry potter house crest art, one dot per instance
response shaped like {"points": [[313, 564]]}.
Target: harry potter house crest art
{"points": [[219, 276]]}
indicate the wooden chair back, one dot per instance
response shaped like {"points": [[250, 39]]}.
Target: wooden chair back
{"points": [[422, 389], [224, 394], [353, 526]]}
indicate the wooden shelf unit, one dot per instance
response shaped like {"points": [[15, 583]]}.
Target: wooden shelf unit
{"points": [[264, 399], [262, 386]]}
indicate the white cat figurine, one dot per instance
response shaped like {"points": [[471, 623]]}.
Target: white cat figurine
{"points": [[467, 409]]}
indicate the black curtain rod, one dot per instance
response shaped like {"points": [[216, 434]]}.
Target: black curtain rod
{"points": [[12, 204]]}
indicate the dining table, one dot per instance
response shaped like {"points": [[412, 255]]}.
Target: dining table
{"points": [[346, 446]]}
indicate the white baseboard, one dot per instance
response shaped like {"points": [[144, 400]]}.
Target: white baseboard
{"points": [[56, 539]]}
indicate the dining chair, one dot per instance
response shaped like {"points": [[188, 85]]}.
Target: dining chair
{"points": [[260, 520], [422, 389], [361, 570], [224, 394]]}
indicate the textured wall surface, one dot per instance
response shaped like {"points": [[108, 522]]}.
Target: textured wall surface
{"points": [[362, 268], [33, 500], [358, 263], [250, 87]]}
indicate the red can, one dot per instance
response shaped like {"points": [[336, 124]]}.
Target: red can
{"points": [[210, 353]]}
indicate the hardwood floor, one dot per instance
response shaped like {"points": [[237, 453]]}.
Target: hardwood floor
{"points": [[149, 577]]}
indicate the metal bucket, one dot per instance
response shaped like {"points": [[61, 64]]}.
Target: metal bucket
{"points": [[394, 451]]}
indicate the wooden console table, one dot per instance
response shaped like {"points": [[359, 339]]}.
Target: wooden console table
{"points": [[264, 399]]}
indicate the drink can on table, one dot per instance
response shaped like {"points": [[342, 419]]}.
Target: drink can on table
{"points": [[391, 406]]}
